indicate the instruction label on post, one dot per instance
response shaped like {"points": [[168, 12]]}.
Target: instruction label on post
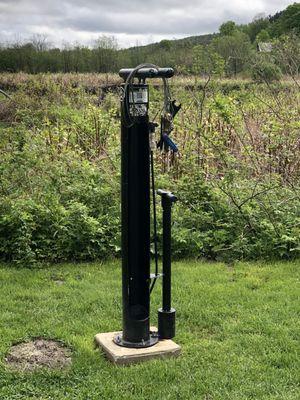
{"points": [[138, 95]]}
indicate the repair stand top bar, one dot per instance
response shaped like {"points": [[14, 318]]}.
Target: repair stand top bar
{"points": [[144, 73]]}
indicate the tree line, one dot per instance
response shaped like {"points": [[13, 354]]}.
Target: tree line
{"points": [[233, 50]]}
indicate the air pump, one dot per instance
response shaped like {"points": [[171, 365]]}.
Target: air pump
{"points": [[137, 171]]}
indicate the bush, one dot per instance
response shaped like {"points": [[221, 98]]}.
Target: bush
{"points": [[265, 71], [222, 225], [31, 232]]}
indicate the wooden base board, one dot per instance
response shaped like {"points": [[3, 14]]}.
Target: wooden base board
{"points": [[124, 355]]}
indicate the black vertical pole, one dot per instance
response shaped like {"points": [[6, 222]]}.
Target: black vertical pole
{"points": [[135, 199], [166, 292], [166, 314]]}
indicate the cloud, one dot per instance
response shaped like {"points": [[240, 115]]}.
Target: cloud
{"points": [[128, 21]]}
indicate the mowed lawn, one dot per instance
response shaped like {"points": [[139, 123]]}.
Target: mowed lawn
{"points": [[238, 327]]}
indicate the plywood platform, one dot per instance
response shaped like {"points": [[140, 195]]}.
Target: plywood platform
{"points": [[124, 355]]}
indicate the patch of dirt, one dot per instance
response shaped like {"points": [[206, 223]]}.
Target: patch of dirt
{"points": [[58, 279], [59, 282], [39, 353]]}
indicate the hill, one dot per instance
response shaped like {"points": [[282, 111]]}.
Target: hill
{"points": [[233, 43]]}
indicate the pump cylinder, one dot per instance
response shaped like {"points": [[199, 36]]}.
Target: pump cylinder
{"points": [[166, 314]]}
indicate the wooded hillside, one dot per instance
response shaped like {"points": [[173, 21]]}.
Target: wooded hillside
{"points": [[234, 46]]}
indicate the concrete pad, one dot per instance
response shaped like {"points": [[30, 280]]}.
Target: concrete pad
{"points": [[123, 355]]}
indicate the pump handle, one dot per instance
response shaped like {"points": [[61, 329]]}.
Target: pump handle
{"points": [[168, 195]]}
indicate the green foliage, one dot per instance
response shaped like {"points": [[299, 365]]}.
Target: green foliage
{"points": [[235, 49], [237, 176], [287, 54], [207, 62], [165, 44], [228, 28], [263, 36], [288, 20], [52, 230], [226, 223], [254, 28], [266, 71]]}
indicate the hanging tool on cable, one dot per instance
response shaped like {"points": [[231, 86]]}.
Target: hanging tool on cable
{"points": [[166, 123]]}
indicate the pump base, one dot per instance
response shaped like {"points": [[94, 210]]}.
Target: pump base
{"points": [[118, 339], [125, 355], [166, 323]]}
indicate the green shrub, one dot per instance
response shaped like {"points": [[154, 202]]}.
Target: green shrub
{"points": [[31, 232], [211, 224], [266, 71]]}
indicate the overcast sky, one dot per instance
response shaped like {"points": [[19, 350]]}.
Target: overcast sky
{"points": [[131, 21]]}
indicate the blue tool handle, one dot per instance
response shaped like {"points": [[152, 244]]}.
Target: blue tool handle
{"points": [[169, 142]]}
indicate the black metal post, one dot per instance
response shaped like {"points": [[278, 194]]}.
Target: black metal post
{"points": [[166, 314], [135, 199]]}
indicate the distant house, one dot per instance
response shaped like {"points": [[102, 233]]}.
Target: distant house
{"points": [[264, 47]]}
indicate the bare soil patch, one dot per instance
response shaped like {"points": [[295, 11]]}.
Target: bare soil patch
{"points": [[59, 282], [39, 353]]}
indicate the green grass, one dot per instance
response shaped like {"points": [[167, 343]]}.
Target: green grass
{"points": [[238, 328]]}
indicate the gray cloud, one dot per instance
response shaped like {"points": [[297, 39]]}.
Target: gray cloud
{"points": [[129, 21]]}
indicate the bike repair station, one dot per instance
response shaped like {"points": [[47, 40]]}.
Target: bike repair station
{"points": [[139, 341]]}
